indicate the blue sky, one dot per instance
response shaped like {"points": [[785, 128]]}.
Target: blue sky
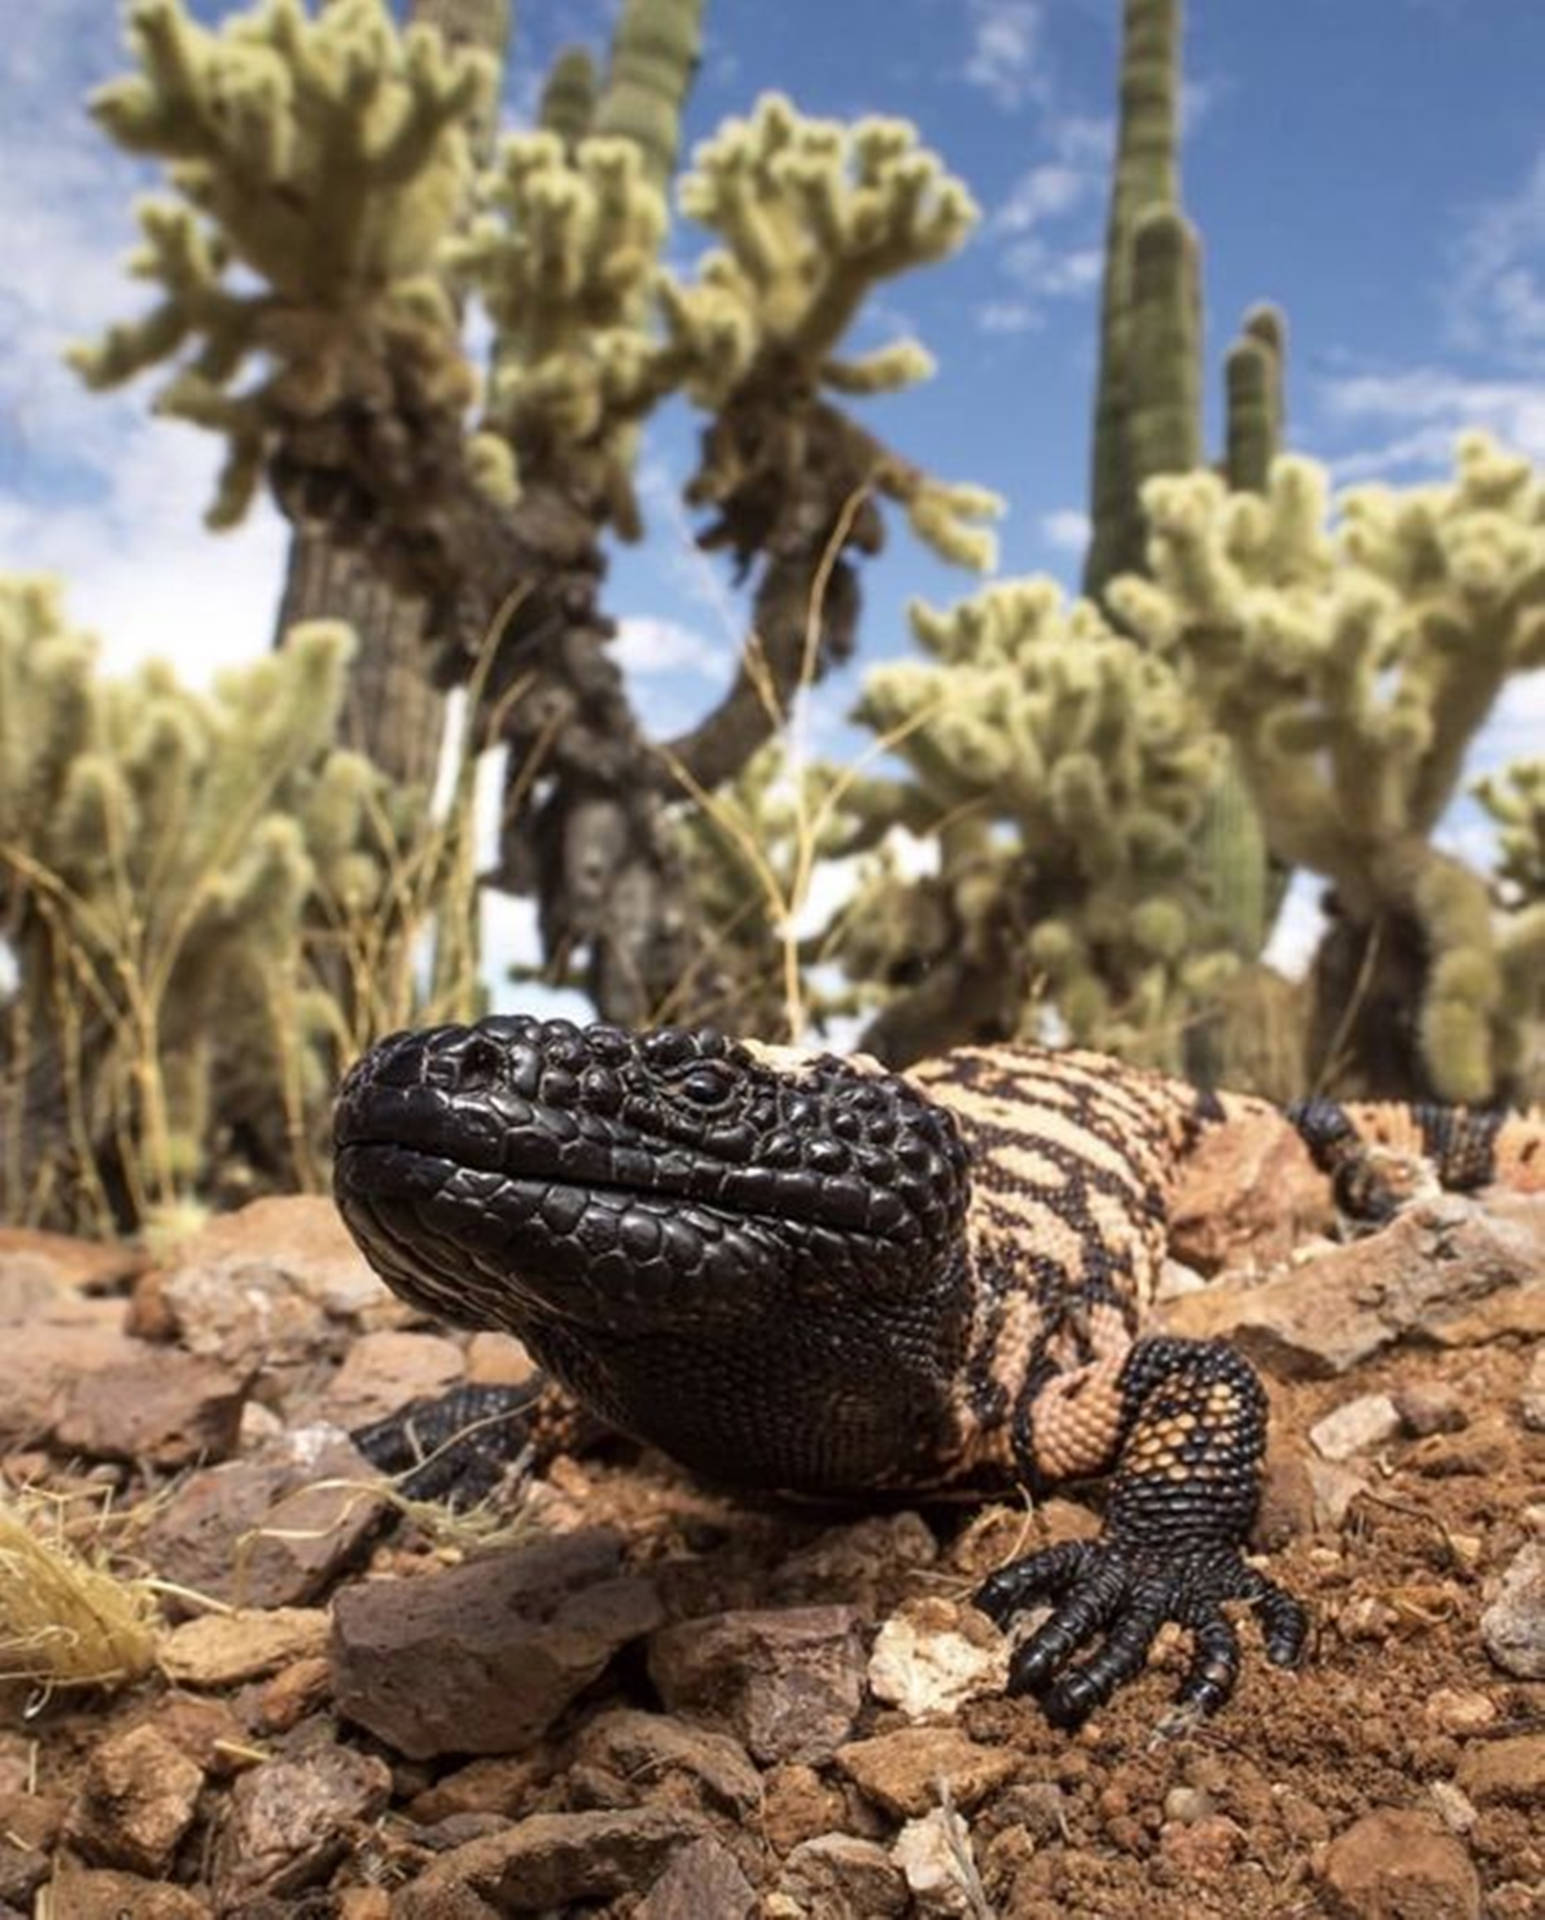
{"points": [[1376, 166]]}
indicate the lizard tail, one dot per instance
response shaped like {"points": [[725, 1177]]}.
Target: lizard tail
{"points": [[1378, 1153]]}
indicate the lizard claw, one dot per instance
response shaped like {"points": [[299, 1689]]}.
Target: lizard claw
{"points": [[1126, 1590]]}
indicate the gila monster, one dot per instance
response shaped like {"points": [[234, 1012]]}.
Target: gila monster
{"points": [[805, 1273]]}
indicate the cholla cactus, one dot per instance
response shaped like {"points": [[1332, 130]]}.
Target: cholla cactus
{"points": [[1516, 802], [1350, 665], [177, 877], [814, 215], [565, 259], [1065, 773], [328, 159]]}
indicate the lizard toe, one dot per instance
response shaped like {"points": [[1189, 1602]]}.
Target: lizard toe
{"points": [[1126, 1592]]}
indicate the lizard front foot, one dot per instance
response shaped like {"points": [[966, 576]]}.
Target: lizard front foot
{"points": [[1127, 1589]]}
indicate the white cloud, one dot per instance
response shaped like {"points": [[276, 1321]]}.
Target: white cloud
{"points": [[1005, 50], [1497, 298], [91, 488], [647, 644], [1423, 409], [1007, 316], [1048, 273], [1066, 529], [1048, 226]]}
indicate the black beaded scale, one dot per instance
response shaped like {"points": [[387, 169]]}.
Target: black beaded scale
{"points": [[801, 1272]]}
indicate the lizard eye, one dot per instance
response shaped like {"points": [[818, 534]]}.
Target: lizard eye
{"points": [[706, 1086]]}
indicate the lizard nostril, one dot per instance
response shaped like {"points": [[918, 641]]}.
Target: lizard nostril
{"points": [[480, 1064]]}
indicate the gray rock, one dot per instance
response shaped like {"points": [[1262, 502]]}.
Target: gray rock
{"points": [[702, 1879], [1513, 1626], [483, 1658], [261, 1531], [289, 1822], [652, 1747], [1354, 1426], [839, 1874], [788, 1683], [1451, 1269]]}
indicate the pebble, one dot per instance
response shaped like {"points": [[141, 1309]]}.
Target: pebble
{"points": [[1513, 1626], [1354, 1426]]}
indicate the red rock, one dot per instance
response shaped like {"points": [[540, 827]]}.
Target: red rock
{"points": [[1399, 1865], [901, 1771], [551, 1861], [1248, 1195], [157, 1404], [483, 1658], [1512, 1771]]}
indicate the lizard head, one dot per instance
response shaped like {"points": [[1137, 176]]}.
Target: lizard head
{"points": [[583, 1186]]}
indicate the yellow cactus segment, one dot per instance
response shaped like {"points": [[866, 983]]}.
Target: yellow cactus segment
{"points": [[324, 157], [564, 256], [813, 215]]}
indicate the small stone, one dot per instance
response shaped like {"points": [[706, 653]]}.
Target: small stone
{"points": [[1531, 1402], [838, 1874], [123, 1896], [1510, 1771], [936, 1857], [701, 1879], [1455, 1809], [383, 1371], [902, 1772], [1205, 1846], [1459, 1710], [1393, 1863], [1039, 1806], [221, 1649], [550, 1861], [484, 1657], [798, 1805], [295, 1691], [1187, 1805], [162, 1405], [66, 1264], [506, 1785], [1334, 1487], [136, 1802], [788, 1683], [652, 1747], [1354, 1426], [274, 1529], [933, 1655], [498, 1360], [289, 1822], [1513, 1626], [1430, 1406]]}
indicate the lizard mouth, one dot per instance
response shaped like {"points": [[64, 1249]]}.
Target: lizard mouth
{"points": [[519, 1168]]}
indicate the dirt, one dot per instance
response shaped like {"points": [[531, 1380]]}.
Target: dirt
{"points": [[1399, 1773]]}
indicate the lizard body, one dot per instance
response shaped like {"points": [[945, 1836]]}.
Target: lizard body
{"points": [[805, 1273]]}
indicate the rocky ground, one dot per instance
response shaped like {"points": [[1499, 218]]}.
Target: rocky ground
{"points": [[647, 1699]]}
